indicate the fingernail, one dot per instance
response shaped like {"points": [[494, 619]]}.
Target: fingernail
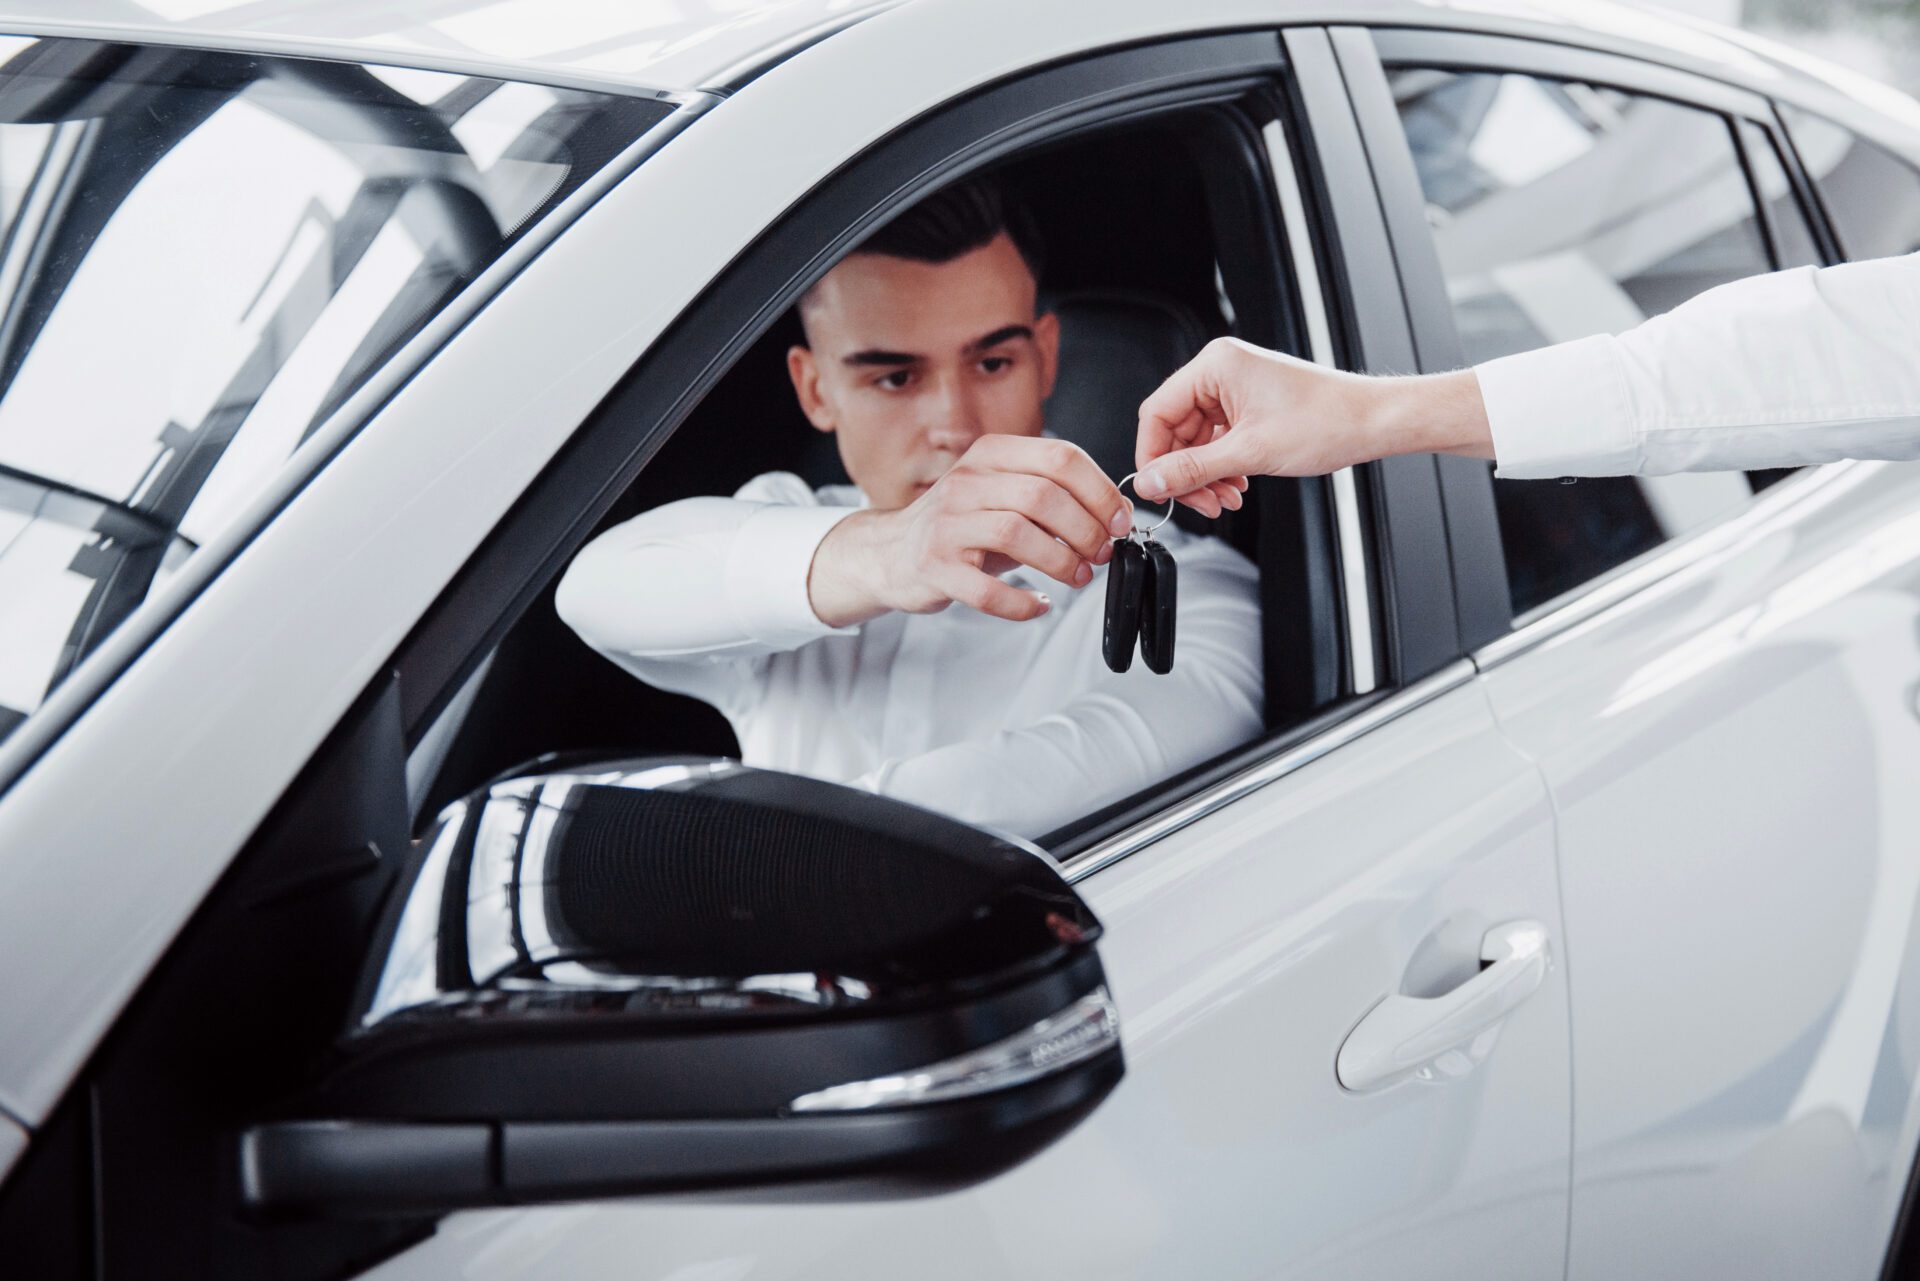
{"points": [[1083, 575], [1046, 601], [1150, 484], [1122, 520], [1104, 554]]}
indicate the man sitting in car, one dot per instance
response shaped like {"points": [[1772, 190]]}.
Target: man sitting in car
{"points": [[818, 621]]}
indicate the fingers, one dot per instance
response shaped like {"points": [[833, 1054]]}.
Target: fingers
{"points": [[1047, 505], [979, 590], [1181, 412], [1203, 501], [1184, 470], [1212, 499], [1185, 448], [1066, 465], [1012, 534]]}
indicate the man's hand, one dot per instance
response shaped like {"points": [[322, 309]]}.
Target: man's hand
{"points": [[1010, 500], [1237, 410]]}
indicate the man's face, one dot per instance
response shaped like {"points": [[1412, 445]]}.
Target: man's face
{"points": [[908, 363]]}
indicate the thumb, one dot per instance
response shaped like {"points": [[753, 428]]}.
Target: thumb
{"points": [[1184, 470]]}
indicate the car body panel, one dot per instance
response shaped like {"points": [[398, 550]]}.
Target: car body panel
{"points": [[1730, 755], [1241, 951]]}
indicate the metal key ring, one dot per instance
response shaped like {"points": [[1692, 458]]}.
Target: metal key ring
{"points": [[1137, 501]]}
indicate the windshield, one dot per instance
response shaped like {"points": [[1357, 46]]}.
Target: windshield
{"points": [[202, 255]]}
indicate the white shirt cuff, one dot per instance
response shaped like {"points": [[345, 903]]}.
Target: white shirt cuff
{"points": [[1560, 411], [767, 573]]}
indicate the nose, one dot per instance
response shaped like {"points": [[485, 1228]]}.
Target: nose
{"points": [[952, 416]]}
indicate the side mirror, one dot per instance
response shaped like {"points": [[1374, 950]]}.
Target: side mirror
{"points": [[676, 974]]}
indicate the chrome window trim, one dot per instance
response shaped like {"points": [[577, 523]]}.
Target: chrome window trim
{"points": [[1355, 583], [100, 669], [1278, 766], [1626, 583]]}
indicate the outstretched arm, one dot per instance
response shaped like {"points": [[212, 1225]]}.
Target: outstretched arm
{"points": [[1800, 366], [703, 577]]}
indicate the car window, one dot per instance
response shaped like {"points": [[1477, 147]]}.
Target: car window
{"points": [[202, 255], [1872, 195], [1559, 210]]}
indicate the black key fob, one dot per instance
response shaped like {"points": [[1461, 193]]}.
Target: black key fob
{"points": [[1159, 607], [1126, 579]]}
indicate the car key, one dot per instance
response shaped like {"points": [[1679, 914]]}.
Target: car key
{"points": [[1126, 579], [1158, 607]]}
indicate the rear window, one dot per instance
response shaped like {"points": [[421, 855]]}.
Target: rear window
{"points": [[1872, 194], [202, 255]]}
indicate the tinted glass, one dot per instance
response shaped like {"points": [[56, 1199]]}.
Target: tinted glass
{"points": [[1872, 195], [1561, 210], [1793, 241], [201, 256]]}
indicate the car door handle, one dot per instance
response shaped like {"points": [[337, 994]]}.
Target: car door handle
{"points": [[1430, 1037]]}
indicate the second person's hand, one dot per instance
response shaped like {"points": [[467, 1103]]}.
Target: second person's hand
{"points": [[1237, 410]]}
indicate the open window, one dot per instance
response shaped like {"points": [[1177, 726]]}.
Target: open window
{"points": [[1161, 231]]}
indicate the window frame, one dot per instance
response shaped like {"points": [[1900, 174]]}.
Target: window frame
{"points": [[1487, 618]]}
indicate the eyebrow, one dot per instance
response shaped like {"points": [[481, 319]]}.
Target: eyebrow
{"points": [[873, 357], [890, 359], [998, 336]]}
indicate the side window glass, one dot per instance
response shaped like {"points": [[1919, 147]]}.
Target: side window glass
{"points": [[1561, 210], [1793, 241], [1871, 194]]}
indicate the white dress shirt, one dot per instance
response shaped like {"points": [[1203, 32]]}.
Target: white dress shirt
{"points": [[1019, 726], [1801, 366]]}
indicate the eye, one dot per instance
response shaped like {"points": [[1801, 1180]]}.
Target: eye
{"points": [[994, 364], [896, 380]]}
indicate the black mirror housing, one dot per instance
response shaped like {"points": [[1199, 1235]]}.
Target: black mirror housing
{"points": [[680, 973]]}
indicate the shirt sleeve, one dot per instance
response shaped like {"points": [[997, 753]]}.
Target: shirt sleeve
{"points": [[683, 595], [1124, 732], [1797, 367]]}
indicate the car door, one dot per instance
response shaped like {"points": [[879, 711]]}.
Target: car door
{"points": [[1343, 889], [1378, 884], [1717, 688]]}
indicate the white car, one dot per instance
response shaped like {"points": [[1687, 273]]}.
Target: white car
{"points": [[1559, 923]]}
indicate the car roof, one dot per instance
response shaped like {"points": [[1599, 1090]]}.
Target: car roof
{"points": [[671, 45], [688, 45]]}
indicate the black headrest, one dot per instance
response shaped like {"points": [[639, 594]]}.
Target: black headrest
{"points": [[1116, 346]]}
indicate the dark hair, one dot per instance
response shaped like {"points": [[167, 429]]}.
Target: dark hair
{"points": [[956, 220]]}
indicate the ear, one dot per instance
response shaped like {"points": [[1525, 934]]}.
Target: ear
{"points": [[1046, 338], [804, 370]]}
